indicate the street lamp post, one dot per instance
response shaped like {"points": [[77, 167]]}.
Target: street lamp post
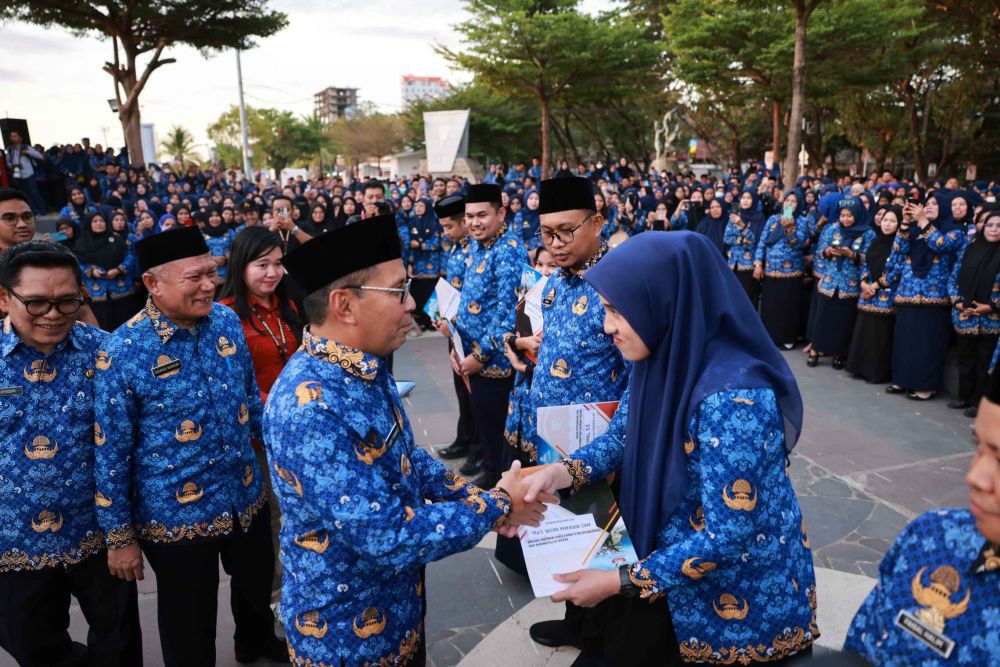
{"points": [[244, 134]]}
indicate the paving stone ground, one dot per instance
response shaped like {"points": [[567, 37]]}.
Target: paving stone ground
{"points": [[867, 464]]}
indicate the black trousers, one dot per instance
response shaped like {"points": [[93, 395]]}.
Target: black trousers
{"points": [[187, 584], [421, 289], [466, 432], [489, 398], [750, 285], [974, 356], [34, 616]]}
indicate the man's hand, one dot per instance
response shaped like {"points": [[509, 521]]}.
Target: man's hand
{"points": [[522, 512], [443, 328], [456, 364], [587, 588], [529, 344], [126, 562], [544, 481], [470, 366], [512, 357]]}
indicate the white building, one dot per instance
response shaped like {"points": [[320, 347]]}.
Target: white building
{"points": [[422, 88]]}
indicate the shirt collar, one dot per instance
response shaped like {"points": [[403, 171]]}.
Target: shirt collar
{"points": [[488, 243], [359, 364], [162, 325], [9, 340], [988, 559], [589, 264]]}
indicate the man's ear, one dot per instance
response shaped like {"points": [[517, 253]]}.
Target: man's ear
{"points": [[151, 282], [342, 306], [4, 299]]}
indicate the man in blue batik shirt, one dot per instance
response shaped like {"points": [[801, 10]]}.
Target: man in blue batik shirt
{"points": [[486, 312], [177, 404], [937, 601], [50, 543], [354, 489]]}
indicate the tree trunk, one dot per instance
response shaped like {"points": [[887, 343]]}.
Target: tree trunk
{"points": [[791, 169], [737, 147], [545, 136], [129, 117], [776, 131], [916, 146]]}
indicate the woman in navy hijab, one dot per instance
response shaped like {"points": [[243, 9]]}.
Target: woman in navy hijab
{"points": [[702, 440]]}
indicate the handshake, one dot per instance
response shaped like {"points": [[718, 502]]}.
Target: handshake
{"points": [[529, 491]]}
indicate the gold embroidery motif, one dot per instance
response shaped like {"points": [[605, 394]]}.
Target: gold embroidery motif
{"points": [[244, 415], [16, 560], [550, 297], [936, 598], [188, 431], [101, 500], [189, 493], [697, 570], [370, 623], [744, 401], [643, 580], [805, 536], [475, 308], [312, 541], [456, 282], [370, 450], [404, 465], [410, 644], [689, 445], [350, 359], [99, 437], [991, 561], [312, 625], [103, 361], [309, 391], [247, 476], [789, 642], [698, 520], [731, 609], [560, 369], [453, 481], [39, 370], [225, 347], [41, 448], [47, 521], [580, 307], [477, 504], [408, 514], [741, 499], [420, 588], [481, 267], [290, 477]]}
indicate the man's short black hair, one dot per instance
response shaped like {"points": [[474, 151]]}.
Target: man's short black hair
{"points": [[284, 197], [9, 194], [42, 254], [372, 184]]}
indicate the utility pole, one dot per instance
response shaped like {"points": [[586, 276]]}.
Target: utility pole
{"points": [[247, 167]]}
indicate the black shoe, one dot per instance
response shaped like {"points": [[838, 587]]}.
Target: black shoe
{"points": [[894, 389], [838, 363], [554, 634], [971, 413], [912, 395], [812, 361], [472, 467], [454, 451], [274, 650], [958, 405]]}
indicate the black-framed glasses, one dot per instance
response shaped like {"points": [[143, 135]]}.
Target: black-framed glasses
{"points": [[403, 291], [39, 307], [12, 218], [565, 236]]}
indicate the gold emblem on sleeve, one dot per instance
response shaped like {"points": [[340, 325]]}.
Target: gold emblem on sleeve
{"points": [[936, 598], [41, 448], [290, 477], [244, 415], [731, 609], [369, 450], [39, 370], [696, 568], [247, 476], [560, 369], [308, 391], [741, 498], [370, 623], [697, 521], [312, 541], [99, 437], [189, 493], [188, 431], [47, 521], [101, 500], [311, 625], [225, 347]]}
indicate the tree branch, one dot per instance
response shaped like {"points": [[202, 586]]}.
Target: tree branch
{"points": [[133, 95]]}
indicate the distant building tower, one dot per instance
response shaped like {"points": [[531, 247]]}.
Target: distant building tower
{"points": [[423, 88], [336, 103]]}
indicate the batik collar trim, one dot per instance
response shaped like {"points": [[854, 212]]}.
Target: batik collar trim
{"points": [[488, 243], [988, 559], [589, 264], [359, 364]]}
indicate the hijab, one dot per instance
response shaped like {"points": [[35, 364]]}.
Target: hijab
{"points": [[778, 232], [79, 209], [675, 290], [860, 213], [921, 256], [980, 266], [881, 247], [69, 242], [425, 224], [752, 217], [530, 220], [105, 249], [715, 228], [219, 230]]}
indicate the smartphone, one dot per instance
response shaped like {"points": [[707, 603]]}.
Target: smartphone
{"points": [[788, 212], [283, 211], [661, 215], [58, 236]]}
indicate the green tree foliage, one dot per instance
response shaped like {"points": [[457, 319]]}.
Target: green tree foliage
{"points": [[141, 27], [277, 138], [179, 146], [368, 135]]}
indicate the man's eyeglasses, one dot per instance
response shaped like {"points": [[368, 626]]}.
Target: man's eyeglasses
{"points": [[403, 291], [12, 218], [565, 236], [40, 307]]}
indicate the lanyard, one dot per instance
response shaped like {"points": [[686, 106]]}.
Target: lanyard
{"points": [[283, 345]]}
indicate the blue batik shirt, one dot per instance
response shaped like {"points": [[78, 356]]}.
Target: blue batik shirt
{"points": [[841, 276], [783, 258], [734, 558], [176, 409], [931, 289], [966, 323], [487, 309], [47, 460], [940, 579], [577, 361], [456, 264], [219, 246], [882, 301], [742, 244], [356, 529]]}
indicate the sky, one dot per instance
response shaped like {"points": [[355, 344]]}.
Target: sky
{"points": [[55, 80]]}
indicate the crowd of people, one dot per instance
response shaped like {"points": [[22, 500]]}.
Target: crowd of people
{"points": [[242, 407]]}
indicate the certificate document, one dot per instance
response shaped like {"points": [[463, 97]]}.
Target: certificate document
{"points": [[586, 530]]}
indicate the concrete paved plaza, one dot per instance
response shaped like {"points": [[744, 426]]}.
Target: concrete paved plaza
{"points": [[867, 464]]}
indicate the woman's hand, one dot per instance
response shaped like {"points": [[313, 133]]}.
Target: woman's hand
{"points": [[758, 272], [981, 308], [588, 588], [529, 344]]}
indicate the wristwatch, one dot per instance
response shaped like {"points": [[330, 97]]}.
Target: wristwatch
{"points": [[627, 589]]}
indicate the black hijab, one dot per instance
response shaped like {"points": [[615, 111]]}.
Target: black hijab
{"points": [[881, 247], [105, 250], [980, 266]]}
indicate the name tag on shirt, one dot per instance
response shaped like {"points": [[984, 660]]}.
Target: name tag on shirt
{"points": [[167, 369], [11, 391], [932, 639]]}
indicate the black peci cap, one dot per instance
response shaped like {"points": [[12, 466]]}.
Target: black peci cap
{"points": [[450, 206], [169, 246], [340, 252], [565, 194], [483, 192]]}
